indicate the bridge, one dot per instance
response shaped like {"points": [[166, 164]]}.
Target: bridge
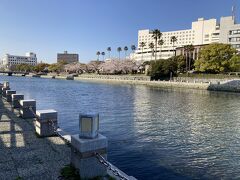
{"points": [[10, 73]]}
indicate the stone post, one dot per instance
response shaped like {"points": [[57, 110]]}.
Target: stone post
{"points": [[16, 100], [28, 108], [46, 122], [9, 95], [5, 88], [85, 145], [1, 86]]}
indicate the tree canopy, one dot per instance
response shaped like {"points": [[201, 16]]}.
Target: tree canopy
{"points": [[216, 58]]}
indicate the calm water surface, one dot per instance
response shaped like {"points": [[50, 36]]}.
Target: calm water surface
{"points": [[153, 133]]}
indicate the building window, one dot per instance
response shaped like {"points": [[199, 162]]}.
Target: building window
{"points": [[234, 32]]}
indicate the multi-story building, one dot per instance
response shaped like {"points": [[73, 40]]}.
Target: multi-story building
{"points": [[67, 58], [202, 32], [11, 60]]}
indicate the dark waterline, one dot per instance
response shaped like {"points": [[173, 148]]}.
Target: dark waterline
{"points": [[153, 133]]}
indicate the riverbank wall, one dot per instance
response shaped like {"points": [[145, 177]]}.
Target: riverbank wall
{"points": [[227, 85]]}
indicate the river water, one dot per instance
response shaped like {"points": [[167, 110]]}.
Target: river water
{"points": [[153, 133]]}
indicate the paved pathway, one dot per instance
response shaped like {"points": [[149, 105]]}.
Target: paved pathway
{"points": [[22, 154]]}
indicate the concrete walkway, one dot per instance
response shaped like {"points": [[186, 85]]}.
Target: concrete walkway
{"points": [[22, 154]]}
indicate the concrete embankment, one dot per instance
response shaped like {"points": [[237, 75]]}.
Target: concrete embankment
{"points": [[221, 85]]}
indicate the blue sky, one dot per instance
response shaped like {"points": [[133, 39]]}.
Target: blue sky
{"points": [[86, 26]]}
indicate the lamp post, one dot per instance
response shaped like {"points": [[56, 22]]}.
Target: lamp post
{"points": [[86, 144]]}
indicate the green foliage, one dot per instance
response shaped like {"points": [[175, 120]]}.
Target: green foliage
{"points": [[41, 67], [215, 58], [23, 68], [69, 172], [56, 67], [18, 178], [181, 63], [161, 69], [234, 63]]}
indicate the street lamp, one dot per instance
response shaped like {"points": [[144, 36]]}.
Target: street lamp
{"points": [[88, 126]]}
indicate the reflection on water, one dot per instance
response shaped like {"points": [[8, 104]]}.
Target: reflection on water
{"points": [[153, 133]]}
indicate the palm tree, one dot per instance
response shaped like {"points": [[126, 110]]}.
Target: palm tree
{"points": [[173, 40], [156, 34], [125, 49], [133, 47], [188, 49], [142, 45], [103, 54], [119, 49], [98, 54], [160, 43], [151, 46], [109, 51]]}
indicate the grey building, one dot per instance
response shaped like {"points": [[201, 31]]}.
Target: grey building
{"points": [[230, 32], [67, 58]]}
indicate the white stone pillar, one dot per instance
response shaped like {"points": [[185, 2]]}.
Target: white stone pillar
{"points": [[28, 108], [84, 146], [1, 86], [16, 100], [9, 95], [46, 122], [4, 89]]}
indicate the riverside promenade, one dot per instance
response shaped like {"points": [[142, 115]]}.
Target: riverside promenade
{"points": [[25, 156]]}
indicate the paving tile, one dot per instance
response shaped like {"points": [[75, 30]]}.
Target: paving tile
{"points": [[32, 170], [5, 155], [9, 175], [23, 154], [7, 166]]}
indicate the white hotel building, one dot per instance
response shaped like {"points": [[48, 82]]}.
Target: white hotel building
{"points": [[10, 60], [202, 32]]}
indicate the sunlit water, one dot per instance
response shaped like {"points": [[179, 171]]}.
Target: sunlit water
{"points": [[153, 133]]}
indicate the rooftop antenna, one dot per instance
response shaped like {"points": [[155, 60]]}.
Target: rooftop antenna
{"points": [[234, 12]]}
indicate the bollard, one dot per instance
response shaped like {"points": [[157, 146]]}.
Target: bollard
{"points": [[9, 95], [85, 145], [27, 108], [6, 84], [46, 122], [4, 89], [1, 86], [16, 100]]}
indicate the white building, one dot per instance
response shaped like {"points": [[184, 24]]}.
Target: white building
{"points": [[202, 32], [10, 60]]}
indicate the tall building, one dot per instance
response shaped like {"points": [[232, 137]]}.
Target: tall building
{"points": [[10, 60], [67, 58], [202, 32]]}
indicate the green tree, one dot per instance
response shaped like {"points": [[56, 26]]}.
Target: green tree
{"points": [[173, 40], [162, 69], [215, 58], [119, 49], [235, 63], [56, 67], [24, 68], [156, 35], [142, 45], [41, 67]]}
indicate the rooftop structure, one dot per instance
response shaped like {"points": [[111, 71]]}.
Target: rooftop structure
{"points": [[67, 58], [10, 60], [202, 32]]}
